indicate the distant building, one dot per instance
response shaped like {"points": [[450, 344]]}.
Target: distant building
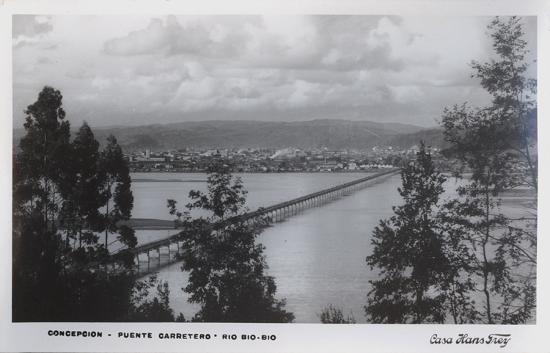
{"points": [[151, 159], [328, 166], [286, 153]]}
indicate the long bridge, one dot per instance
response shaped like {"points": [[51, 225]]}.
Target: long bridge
{"points": [[151, 257]]}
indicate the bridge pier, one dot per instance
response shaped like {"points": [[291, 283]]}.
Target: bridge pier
{"points": [[171, 248], [158, 252]]}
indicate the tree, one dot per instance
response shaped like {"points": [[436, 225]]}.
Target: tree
{"points": [[226, 195], [226, 266], [513, 93], [495, 143], [117, 187], [57, 190], [477, 212], [181, 217], [410, 252], [514, 100], [80, 215], [147, 309], [39, 188]]}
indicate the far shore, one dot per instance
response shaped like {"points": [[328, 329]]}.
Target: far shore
{"points": [[260, 172], [140, 180], [149, 224]]}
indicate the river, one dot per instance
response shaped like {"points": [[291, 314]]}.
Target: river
{"points": [[316, 257]]}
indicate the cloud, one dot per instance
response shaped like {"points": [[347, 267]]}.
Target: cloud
{"points": [[406, 94], [26, 29], [147, 41], [44, 60], [348, 43], [80, 73], [30, 25], [302, 42], [126, 69], [170, 37], [101, 83]]}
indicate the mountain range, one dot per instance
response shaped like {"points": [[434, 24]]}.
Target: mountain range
{"points": [[333, 134]]}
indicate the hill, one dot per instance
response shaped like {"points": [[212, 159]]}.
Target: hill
{"points": [[432, 137], [333, 134]]}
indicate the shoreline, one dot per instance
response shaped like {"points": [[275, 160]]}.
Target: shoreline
{"points": [[258, 172], [149, 224]]}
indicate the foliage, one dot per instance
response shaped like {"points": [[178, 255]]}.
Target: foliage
{"points": [[434, 264], [181, 217], [156, 309], [333, 315], [80, 218], [513, 93], [496, 144], [226, 266], [38, 192], [58, 192], [226, 195], [409, 252], [117, 186]]}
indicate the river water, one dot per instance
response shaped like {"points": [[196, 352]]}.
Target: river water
{"points": [[316, 257]]}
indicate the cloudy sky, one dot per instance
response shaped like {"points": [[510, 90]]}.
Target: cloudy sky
{"points": [[121, 70]]}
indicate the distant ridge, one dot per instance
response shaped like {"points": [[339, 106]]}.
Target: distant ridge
{"points": [[330, 133]]}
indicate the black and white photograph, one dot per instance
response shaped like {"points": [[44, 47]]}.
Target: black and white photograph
{"points": [[352, 169], [334, 169]]}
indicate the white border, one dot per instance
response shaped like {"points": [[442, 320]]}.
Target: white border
{"points": [[290, 337]]}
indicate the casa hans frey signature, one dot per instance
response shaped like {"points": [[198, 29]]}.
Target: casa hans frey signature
{"points": [[500, 339]]}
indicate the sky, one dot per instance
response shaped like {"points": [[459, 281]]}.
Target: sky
{"points": [[127, 70]]}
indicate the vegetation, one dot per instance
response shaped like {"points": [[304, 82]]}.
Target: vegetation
{"points": [[435, 265], [226, 266], [333, 315], [116, 175], [151, 309], [60, 188], [460, 260], [410, 252], [496, 144]]}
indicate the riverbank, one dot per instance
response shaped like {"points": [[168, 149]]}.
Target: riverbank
{"points": [[339, 171], [148, 224], [142, 180]]}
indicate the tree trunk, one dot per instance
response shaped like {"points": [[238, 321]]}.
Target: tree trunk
{"points": [[107, 224], [419, 315], [485, 261]]}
